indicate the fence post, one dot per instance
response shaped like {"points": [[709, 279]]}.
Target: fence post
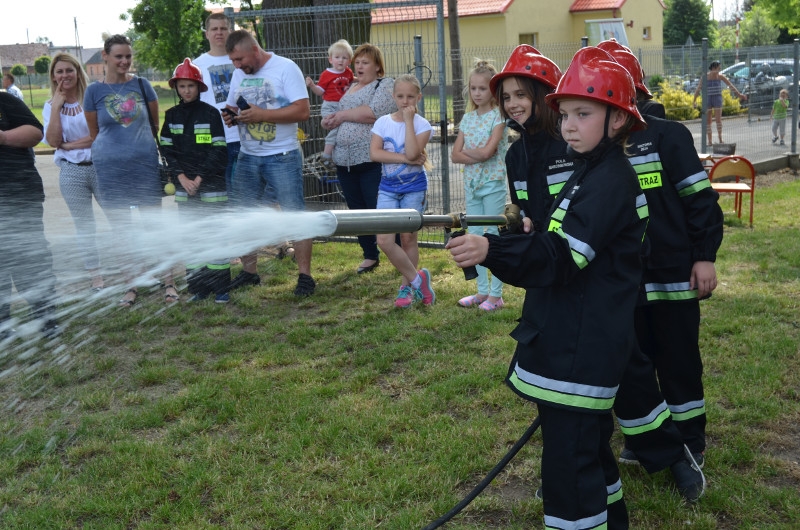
{"points": [[704, 94], [795, 101], [443, 108], [418, 66]]}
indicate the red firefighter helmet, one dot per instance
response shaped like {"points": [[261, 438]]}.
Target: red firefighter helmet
{"points": [[526, 61], [188, 70], [593, 74], [624, 56]]}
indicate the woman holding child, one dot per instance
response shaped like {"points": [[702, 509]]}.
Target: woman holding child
{"points": [[367, 99]]}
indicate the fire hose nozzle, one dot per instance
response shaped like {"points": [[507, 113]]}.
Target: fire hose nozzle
{"points": [[398, 221]]}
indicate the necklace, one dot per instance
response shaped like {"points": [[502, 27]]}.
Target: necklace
{"points": [[116, 99]]}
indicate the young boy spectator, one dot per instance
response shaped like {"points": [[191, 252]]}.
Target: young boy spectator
{"points": [[778, 115], [217, 71], [193, 142], [332, 85]]}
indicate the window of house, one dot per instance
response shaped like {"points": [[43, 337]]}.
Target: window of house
{"points": [[646, 33], [529, 38]]}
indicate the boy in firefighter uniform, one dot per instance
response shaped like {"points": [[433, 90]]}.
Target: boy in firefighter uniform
{"points": [[683, 236], [193, 143], [582, 277]]}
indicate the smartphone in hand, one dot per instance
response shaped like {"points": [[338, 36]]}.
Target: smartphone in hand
{"points": [[242, 103]]}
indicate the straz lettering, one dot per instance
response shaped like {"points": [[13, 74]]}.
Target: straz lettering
{"points": [[650, 180], [202, 138]]}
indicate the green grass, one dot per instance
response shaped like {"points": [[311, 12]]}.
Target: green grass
{"points": [[339, 412]]}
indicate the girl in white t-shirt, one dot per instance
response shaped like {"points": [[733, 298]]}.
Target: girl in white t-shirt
{"points": [[398, 143]]}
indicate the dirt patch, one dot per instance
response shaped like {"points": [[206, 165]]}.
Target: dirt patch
{"points": [[779, 176]]}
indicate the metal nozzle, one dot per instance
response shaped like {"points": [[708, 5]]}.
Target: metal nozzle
{"points": [[364, 222]]}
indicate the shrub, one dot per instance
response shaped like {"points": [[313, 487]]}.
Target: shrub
{"points": [[655, 81], [19, 69], [677, 103], [730, 104]]}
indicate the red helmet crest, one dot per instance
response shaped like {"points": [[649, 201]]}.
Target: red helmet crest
{"points": [[593, 74], [526, 61], [624, 56], [188, 70]]}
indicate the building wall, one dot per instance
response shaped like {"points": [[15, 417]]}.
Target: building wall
{"points": [[527, 17]]}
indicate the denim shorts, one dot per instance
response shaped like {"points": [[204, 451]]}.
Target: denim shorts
{"points": [[279, 177], [415, 200]]}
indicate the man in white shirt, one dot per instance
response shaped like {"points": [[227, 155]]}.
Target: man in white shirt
{"points": [[8, 84], [217, 71], [267, 99]]}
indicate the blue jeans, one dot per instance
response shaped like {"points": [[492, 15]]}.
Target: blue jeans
{"points": [[230, 169], [281, 174], [360, 188], [414, 200]]}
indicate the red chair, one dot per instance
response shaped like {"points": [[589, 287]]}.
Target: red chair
{"points": [[735, 174]]}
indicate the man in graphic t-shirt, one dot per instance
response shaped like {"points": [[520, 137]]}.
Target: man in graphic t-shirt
{"points": [[268, 97]]}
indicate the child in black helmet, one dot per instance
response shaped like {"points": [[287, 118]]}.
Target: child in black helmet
{"points": [[582, 276], [193, 143]]}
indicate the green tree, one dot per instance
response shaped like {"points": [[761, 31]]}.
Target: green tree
{"points": [[19, 69], [757, 30], [727, 37], [42, 64], [169, 31], [783, 13], [686, 18]]}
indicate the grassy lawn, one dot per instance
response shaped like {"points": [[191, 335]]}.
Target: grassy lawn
{"points": [[340, 412]]}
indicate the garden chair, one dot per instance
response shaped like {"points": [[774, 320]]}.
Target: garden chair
{"points": [[735, 174]]}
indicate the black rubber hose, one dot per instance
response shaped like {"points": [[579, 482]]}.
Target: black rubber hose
{"points": [[488, 478]]}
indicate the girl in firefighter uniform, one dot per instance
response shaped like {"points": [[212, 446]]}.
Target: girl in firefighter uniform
{"points": [[582, 277], [193, 144], [537, 164]]}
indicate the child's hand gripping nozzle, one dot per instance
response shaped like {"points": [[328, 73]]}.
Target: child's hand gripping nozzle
{"points": [[470, 273], [512, 224]]}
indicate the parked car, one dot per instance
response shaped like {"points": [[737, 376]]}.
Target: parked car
{"points": [[767, 79]]}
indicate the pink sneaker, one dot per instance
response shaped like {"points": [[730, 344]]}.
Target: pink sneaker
{"points": [[406, 296], [471, 300], [428, 296], [489, 306]]}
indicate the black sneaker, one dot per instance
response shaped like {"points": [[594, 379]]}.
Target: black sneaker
{"points": [[50, 329], [688, 477], [627, 456], [305, 285], [244, 278]]}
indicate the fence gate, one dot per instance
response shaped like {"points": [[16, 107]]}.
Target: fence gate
{"points": [[410, 34]]}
